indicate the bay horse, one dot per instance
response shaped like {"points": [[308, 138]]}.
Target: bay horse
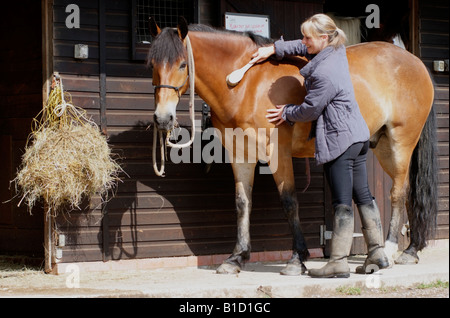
{"points": [[394, 92]]}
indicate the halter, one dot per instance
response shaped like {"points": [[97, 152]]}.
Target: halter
{"points": [[176, 88], [191, 76]]}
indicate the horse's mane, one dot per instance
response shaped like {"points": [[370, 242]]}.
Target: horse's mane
{"points": [[257, 39], [168, 47]]}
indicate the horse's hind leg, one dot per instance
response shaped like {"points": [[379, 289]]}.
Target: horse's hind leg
{"points": [[395, 161], [243, 176], [284, 179], [398, 206]]}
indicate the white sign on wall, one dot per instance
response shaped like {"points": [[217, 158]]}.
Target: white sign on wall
{"points": [[258, 24]]}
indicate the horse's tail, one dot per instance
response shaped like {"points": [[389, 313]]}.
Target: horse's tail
{"points": [[423, 185]]}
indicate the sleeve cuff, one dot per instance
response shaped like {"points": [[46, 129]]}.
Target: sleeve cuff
{"points": [[279, 52], [284, 114]]}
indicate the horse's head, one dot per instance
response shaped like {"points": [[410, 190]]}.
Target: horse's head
{"points": [[168, 58]]}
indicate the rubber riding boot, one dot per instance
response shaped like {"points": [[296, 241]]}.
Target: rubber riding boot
{"points": [[341, 243], [373, 235]]}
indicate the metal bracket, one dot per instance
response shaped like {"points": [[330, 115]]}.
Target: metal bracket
{"points": [[405, 229], [206, 118]]}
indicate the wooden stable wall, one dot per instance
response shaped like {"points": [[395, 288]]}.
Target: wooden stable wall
{"points": [[285, 16], [433, 44], [188, 212], [20, 100]]}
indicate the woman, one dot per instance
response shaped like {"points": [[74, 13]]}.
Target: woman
{"points": [[342, 138]]}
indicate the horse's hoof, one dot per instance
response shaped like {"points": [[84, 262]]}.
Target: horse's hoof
{"points": [[294, 269], [407, 259], [227, 268]]}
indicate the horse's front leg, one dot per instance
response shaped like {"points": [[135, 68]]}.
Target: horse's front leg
{"points": [[244, 176], [284, 179]]}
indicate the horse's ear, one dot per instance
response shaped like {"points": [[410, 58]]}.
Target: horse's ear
{"points": [[182, 28], [153, 27]]}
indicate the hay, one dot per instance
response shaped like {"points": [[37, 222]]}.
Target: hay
{"points": [[66, 159]]}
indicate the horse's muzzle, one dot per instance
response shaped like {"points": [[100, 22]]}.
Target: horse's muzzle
{"points": [[163, 122]]}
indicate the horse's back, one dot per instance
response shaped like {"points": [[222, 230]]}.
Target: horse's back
{"points": [[392, 87], [389, 80], [386, 59]]}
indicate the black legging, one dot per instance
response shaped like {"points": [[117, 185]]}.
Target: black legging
{"points": [[347, 176]]}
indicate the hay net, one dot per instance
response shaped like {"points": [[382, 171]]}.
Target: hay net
{"points": [[66, 159]]}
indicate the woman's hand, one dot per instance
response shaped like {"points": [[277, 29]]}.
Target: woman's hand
{"points": [[274, 115], [263, 53]]}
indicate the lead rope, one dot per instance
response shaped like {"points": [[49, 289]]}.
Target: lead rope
{"points": [[191, 69], [158, 172]]}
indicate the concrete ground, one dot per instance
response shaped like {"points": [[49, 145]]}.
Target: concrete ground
{"points": [[256, 280]]}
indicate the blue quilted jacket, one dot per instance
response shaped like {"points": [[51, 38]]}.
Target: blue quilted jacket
{"points": [[329, 102]]}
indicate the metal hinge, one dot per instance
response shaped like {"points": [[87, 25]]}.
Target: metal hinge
{"points": [[60, 242], [327, 235], [324, 234]]}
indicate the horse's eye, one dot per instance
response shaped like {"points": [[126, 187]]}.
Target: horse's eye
{"points": [[183, 66]]}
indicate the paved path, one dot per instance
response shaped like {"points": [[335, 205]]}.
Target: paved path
{"points": [[256, 280]]}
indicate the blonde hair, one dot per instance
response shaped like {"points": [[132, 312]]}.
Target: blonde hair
{"points": [[321, 24]]}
